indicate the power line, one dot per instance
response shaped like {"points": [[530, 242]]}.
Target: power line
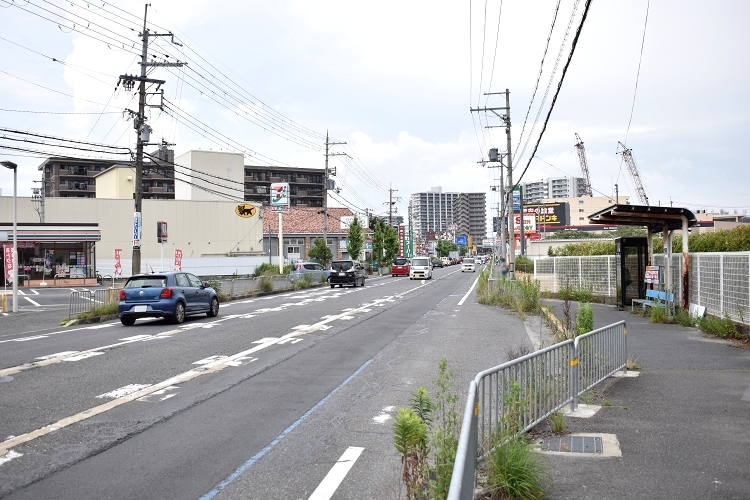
{"points": [[557, 93], [640, 58]]}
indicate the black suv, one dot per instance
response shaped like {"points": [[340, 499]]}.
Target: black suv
{"points": [[347, 272]]}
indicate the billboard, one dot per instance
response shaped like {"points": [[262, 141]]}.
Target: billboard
{"points": [[462, 241], [279, 194], [548, 215]]}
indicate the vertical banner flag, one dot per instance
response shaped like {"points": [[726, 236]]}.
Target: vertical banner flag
{"points": [[8, 259], [118, 264], [177, 260], [401, 236]]}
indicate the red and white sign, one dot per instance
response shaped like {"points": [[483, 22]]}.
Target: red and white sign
{"points": [[177, 260], [8, 259], [652, 274], [118, 264], [529, 223]]}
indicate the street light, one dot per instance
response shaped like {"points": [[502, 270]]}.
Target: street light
{"points": [[14, 167]]}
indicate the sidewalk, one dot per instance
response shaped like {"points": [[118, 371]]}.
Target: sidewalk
{"points": [[683, 425]]}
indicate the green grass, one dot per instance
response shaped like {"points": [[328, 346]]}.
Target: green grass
{"points": [[98, 312], [557, 422]]}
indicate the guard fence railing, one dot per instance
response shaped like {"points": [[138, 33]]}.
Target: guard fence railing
{"points": [[83, 301], [512, 398]]}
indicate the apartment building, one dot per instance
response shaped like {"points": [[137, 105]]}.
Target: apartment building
{"points": [[470, 215], [432, 211], [552, 188]]}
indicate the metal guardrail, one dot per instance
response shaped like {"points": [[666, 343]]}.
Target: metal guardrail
{"points": [[82, 301], [513, 397]]}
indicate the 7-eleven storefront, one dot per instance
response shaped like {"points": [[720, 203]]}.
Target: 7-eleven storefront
{"points": [[49, 250]]}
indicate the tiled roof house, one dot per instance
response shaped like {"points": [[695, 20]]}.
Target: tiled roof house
{"points": [[301, 226]]}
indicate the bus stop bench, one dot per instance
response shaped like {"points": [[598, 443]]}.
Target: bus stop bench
{"points": [[654, 298]]}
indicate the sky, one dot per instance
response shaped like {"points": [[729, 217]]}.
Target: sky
{"points": [[395, 81]]}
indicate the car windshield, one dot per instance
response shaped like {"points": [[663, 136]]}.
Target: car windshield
{"points": [[400, 262], [419, 262], [147, 282], [343, 265], [468, 261]]}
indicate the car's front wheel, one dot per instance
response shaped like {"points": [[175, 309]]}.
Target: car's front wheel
{"points": [[179, 313], [127, 320], [213, 311]]}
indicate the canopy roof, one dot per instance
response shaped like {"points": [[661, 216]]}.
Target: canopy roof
{"points": [[640, 215]]}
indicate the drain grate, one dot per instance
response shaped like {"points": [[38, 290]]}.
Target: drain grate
{"points": [[574, 444]]}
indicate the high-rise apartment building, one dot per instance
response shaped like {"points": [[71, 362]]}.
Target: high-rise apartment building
{"points": [[470, 215], [432, 211], [553, 187]]}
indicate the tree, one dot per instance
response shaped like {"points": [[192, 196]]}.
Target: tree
{"points": [[355, 239], [320, 252], [444, 247], [384, 243]]}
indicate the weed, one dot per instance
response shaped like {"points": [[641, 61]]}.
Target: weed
{"points": [[266, 285], [587, 398], [410, 439], [584, 319], [445, 433], [109, 309], [683, 318], [658, 315], [557, 422], [514, 470], [606, 402], [632, 364], [722, 327]]}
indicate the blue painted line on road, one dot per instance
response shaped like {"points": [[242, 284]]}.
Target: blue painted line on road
{"points": [[234, 475]]}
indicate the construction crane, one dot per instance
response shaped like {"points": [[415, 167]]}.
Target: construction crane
{"points": [[587, 191], [628, 157]]}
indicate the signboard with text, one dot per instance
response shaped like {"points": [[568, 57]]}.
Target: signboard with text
{"points": [[137, 230], [401, 240], [177, 260], [279, 194], [8, 260], [652, 275], [462, 241], [548, 215], [161, 231], [118, 263]]}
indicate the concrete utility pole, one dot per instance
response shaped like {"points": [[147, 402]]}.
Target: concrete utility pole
{"points": [[143, 132], [390, 204], [326, 187], [506, 123]]}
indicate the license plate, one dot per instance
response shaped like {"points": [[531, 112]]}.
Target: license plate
{"points": [[342, 274], [140, 309]]}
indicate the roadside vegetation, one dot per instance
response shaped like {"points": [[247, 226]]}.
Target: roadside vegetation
{"points": [[521, 295]]}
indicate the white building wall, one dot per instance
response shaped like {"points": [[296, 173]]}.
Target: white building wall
{"points": [[189, 181]]}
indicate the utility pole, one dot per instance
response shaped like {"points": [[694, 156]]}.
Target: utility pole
{"points": [[143, 131], [37, 199], [327, 187], [390, 204], [506, 123]]}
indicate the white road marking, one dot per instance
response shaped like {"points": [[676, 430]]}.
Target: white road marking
{"points": [[79, 357], [24, 339], [162, 395], [124, 391], [58, 355], [338, 472], [99, 326], [34, 292], [208, 360], [138, 337], [20, 292], [9, 456], [461, 302], [384, 416]]}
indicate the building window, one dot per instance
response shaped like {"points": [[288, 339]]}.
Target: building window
{"points": [[580, 218], [580, 202], [580, 210]]}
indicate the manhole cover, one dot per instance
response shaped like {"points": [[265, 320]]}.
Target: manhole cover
{"points": [[573, 444]]}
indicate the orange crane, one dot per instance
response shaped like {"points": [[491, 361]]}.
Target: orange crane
{"points": [[587, 191]]}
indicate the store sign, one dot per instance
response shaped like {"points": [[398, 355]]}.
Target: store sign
{"points": [[279, 194], [346, 221], [245, 210], [652, 275], [529, 224], [462, 241], [401, 240], [118, 263], [161, 231], [137, 230], [548, 214]]}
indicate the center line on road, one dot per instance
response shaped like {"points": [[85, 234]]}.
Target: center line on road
{"points": [[470, 290]]}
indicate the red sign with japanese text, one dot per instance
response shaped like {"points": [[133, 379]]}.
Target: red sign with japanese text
{"points": [[177, 260], [118, 264], [8, 259]]}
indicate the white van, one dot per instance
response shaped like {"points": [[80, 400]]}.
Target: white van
{"points": [[468, 265], [421, 268]]}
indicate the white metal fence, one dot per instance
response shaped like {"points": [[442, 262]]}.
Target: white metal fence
{"points": [[515, 396], [718, 281]]}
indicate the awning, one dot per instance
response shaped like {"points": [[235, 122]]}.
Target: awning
{"points": [[53, 233], [641, 215]]}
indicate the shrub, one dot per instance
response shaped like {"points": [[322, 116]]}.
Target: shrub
{"points": [[410, 439], [557, 422], [267, 269], [524, 264], [723, 327], [98, 312], [266, 284]]}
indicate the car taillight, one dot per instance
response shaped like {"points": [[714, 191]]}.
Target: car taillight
{"points": [[122, 294], [166, 293]]}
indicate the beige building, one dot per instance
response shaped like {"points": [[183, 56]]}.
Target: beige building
{"points": [[582, 207], [208, 175]]}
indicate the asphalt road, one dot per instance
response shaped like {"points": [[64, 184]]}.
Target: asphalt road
{"points": [[271, 399]]}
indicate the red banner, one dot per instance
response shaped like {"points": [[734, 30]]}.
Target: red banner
{"points": [[177, 260], [8, 253], [118, 264], [400, 240]]}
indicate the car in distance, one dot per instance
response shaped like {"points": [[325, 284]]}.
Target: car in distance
{"points": [[446, 261], [400, 267], [311, 270], [468, 265], [173, 295], [421, 268], [347, 272], [437, 263]]}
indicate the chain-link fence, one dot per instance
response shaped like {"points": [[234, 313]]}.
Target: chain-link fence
{"points": [[718, 281]]}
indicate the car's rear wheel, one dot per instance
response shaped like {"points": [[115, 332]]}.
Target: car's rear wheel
{"points": [[332, 285], [127, 320], [214, 309], [179, 313]]}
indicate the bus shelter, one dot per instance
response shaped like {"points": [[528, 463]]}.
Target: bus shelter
{"points": [[663, 220]]}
